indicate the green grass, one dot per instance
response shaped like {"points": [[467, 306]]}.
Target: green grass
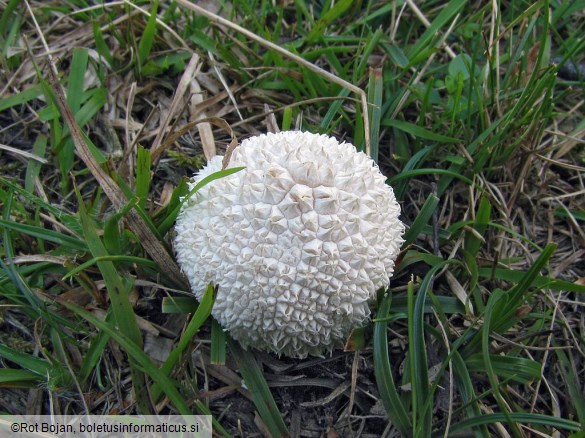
{"points": [[475, 116]]}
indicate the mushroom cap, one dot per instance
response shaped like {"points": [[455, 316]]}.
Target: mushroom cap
{"points": [[297, 243]]}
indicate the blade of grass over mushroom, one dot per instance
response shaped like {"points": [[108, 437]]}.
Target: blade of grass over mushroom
{"points": [[118, 292], [261, 395], [168, 222], [393, 405], [336, 157]]}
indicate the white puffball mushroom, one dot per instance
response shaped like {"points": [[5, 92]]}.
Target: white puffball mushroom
{"points": [[297, 243]]}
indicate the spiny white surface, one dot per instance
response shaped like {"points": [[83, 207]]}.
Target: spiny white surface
{"points": [[298, 242]]}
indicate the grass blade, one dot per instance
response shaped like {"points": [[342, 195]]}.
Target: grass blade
{"points": [[472, 241], [201, 314], [94, 353], [33, 167], [419, 172], [143, 170], [101, 45], [11, 378], [388, 392], [76, 86], [418, 131], [44, 234], [168, 222], [517, 294], [138, 357], [31, 363], [326, 18], [422, 219], [417, 359], [375, 91], [574, 383], [510, 368], [157, 375], [24, 96], [467, 392], [256, 384], [118, 292], [147, 39], [110, 258], [6, 16], [179, 305], [424, 41], [517, 417], [218, 341], [495, 304]]}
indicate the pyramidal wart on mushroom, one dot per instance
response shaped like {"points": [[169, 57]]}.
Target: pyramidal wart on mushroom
{"points": [[297, 243]]}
